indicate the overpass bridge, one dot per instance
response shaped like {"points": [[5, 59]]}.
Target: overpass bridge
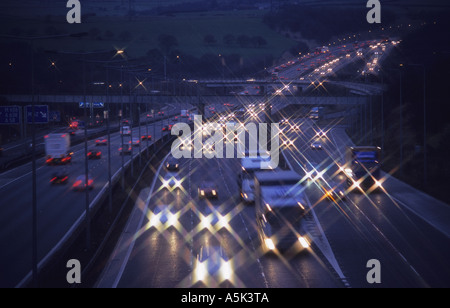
{"points": [[357, 87], [75, 100]]}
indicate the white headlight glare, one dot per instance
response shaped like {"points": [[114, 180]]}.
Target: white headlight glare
{"points": [[177, 183], [303, 242], [201, 271], [226, 270], [269, 244], [171, 219]]}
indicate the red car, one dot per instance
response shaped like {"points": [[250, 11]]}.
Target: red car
{"points": [[101, 142], [94, 154], [167, 128], [59, 178]]}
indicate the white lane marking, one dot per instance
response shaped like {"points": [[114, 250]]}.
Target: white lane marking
{"points": [[321, 240], [266, 284], [379, 231]]}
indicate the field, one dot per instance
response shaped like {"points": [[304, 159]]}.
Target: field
{"points": [[142, 32]]}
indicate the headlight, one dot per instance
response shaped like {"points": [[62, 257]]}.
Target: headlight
{"points": [[348, 172], [226, 270], [214, 192], [202, 192], [303, 242], [171, 219], [269, 244], [201, 271], [154, 220]]}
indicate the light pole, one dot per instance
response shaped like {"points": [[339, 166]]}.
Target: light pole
{"points": [[401, 115], [31, 40], [425, 182], [86, 164]]}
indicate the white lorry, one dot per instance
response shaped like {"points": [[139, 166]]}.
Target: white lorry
{"points": [[280, 206], [126, 131], [57, 149]]}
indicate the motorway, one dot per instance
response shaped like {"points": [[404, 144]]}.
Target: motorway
{"points": [[59, 207], [158, 249], [345, 234]]}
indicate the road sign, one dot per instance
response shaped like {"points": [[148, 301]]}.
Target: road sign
{"points": [[41, 114], [94, 105], [9, 115]]}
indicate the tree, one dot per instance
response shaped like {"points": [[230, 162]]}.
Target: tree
{"points": [[258, 41], [167, 42], [209, 39], [243, 40], [229, 39]]}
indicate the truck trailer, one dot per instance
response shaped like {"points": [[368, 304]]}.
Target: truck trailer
{"points": [[57, 149]]}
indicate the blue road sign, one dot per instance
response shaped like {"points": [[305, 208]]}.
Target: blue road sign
{"points": [[94, 105], [41, 114], [9, 115]]}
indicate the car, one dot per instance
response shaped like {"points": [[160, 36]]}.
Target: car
{"points": [[247, 191], [186, 145], [135, 142], [80, 183], [295, 126], [163, 215], [287, 143], [94, 154], [167, 128], [161, 113], [125, 150], [99, 142], [336, 192], [321, 134], [212, 266], [172, 164], [59, 178], [284, 121], [207, 189], [171, 181], [313, 171], [146, 137], [316, 145]]}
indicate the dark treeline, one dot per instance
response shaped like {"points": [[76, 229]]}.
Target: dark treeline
{"points": [[322, 23]]}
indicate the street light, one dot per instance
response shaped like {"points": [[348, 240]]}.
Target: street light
{"points": [[424, 124], [86, 165], [401, 114], [33, 143]]}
